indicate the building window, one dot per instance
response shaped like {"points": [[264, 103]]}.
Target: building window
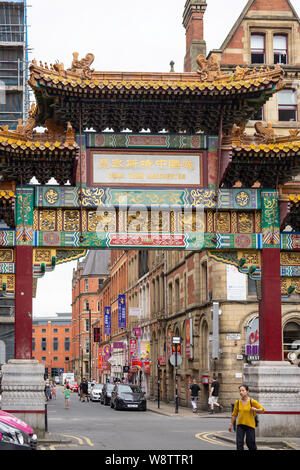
{"points": [[44, 330], [67, 330], [287, 105], [33, 344], [177, 295], [55, 344], [170, 299], [67, 344], [251, 286], [100, 283], [55, 330], [87, 325], [203, 282], [257, 49], [86, 285], [44, 344], [55, 358], [280, 49]]}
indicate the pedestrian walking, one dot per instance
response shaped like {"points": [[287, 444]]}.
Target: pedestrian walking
{"points": [[67, 393], [214, 395], [84, 389], [194, 390], [47, 390], [245, 409]]}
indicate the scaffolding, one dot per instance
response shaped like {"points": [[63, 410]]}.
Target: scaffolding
{"points": [[14, 62]]}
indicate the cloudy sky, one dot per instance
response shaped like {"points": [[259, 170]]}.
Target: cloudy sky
{"points": [[131, 35]]}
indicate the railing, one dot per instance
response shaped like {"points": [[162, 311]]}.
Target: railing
{"points": [[12, 33], [12, 72]]}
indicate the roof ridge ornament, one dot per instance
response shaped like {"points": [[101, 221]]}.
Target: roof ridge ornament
{"points": [[82, 67]]}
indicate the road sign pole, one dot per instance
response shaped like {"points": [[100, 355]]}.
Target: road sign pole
{"points": [[176, 381], [158, 384]]}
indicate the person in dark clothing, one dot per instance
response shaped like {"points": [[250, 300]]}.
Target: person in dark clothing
{"points": [[84, 389], [194, 390], [214, 395]]}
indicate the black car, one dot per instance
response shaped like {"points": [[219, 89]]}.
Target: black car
{"points": [[12, 438], [106, 394], [128, 397]]}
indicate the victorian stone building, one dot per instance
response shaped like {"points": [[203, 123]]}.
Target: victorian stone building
{"points": [[210, 305], [266, 33]]}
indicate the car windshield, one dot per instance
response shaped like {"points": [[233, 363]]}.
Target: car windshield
{"points": [[129, 389], [72, 383], [98, 386], [110, 387]]}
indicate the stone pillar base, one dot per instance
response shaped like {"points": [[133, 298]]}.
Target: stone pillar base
{"points": [[23, 392], [276, 386]]}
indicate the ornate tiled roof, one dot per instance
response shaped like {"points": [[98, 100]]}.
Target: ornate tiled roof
{"points": [[176, 102], [57, 145], [264, 157]]}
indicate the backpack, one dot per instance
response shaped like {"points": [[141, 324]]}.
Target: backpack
{"points": [[255, 416]]}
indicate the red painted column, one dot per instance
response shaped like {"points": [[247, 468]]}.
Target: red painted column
{"points": [[270, 320], [23, 302]]}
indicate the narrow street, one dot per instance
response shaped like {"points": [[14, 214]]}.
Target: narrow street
{"points": [[92, 426]]}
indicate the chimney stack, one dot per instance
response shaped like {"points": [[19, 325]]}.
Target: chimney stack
{"points": [[193, 22]]}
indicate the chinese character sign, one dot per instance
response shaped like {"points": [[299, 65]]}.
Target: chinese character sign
{"points": [[107, 320], [122, 311], [96, 335]]}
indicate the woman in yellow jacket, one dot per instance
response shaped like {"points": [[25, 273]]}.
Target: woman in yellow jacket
{"points": [[245, 409]]}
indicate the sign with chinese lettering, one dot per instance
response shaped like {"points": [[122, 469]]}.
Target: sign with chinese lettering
{"points": [[133, 349], [145, 350], [189, 338], [122, 311], [106, 356], [96, 335], [100, 359], [137, 331], [107, 320], [151, 169]]}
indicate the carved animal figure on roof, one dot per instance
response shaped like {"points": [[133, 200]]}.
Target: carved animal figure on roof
{"points": [[82, 67], [267, 133], [209, 69]]}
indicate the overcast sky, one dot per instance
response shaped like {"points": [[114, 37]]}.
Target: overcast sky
{"points": [[131, 35]]}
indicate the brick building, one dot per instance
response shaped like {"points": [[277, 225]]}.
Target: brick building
{"points": [[87, 281], [51, 343]]}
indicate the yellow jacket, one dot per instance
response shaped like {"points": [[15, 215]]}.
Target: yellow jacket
{"points": [[244, 413]]}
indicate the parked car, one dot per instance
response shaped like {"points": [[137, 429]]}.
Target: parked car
{"points": [[15, 434], [106, 394], [57, 379], [96, 391], [128, 397], [74, 386]]}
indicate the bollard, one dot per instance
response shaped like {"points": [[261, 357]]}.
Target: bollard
{"points": [[46, 417]]}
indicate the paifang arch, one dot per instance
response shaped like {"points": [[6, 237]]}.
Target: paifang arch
{"points": [[193, 180]]}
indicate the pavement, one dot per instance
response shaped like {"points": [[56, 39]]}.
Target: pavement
{"points": [[168, 409]]}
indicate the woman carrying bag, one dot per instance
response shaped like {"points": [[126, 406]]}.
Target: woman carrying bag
{"points": [[246, 410]]}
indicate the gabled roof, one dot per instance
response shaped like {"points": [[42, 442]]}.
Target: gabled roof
{"points": [[240, 19], [96, 263]]}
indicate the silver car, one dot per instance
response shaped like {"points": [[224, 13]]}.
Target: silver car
{"points": [[96, 391]]}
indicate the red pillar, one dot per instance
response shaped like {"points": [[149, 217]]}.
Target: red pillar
{"points": [[270, 321], [23, 302]]}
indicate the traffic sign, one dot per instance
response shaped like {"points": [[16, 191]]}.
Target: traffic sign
{"points": [[173, 360]]}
